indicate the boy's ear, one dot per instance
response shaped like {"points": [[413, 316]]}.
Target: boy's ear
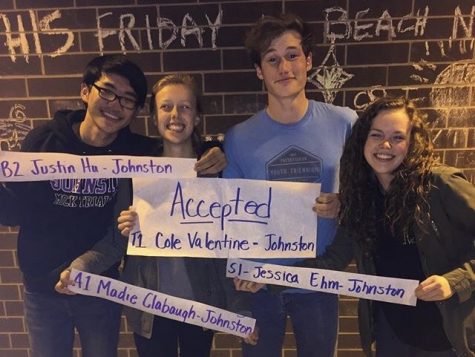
{"points": [[309, 61], [84, 92], [259, 72]]}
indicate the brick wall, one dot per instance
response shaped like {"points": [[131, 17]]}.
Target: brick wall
{"points": [[365, 48]]}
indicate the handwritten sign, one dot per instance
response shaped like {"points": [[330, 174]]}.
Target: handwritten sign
{"points": [[398, 291], [170, 307], [29, 166], [211, 217]]}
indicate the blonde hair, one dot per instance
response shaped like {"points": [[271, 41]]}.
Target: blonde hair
{"points": [[189, 82]]}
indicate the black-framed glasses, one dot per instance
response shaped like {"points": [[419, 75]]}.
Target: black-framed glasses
{"points": [[110, 96]]}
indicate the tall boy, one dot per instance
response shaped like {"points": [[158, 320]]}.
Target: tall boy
{"points": [[293, 139]]}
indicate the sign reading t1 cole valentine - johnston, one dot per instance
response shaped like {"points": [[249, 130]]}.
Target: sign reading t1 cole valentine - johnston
{"points": [[210, 217]]}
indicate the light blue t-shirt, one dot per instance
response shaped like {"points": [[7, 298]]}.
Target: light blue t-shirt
{"points": [[307, 151]]}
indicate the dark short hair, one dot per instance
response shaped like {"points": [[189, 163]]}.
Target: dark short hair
{"points": [[120, 65], [268, 28]]}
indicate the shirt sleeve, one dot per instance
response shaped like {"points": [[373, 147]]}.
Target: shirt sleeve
{"points": [[458, 200], [113, 246], [233, 169]]}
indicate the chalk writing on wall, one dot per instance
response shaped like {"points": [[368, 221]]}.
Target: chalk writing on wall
{"points": [[460, 37], [338, 25], [160, 33], [367, 96], [40, 28], [448, 82], [14, 129]]}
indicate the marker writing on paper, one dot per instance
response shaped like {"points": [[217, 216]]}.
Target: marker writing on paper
{"points": [[276, 243], [236, 210]]}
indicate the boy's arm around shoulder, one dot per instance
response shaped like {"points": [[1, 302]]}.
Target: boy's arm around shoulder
{"points": [[113, 246], [211, 159]]}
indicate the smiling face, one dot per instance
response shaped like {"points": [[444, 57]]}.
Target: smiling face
{"points": [[105, 119], [387, 143], [176, 114], [284, 66]]}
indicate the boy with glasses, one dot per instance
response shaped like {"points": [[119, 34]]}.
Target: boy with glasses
{"points": [[61, 221], [110, 96]]}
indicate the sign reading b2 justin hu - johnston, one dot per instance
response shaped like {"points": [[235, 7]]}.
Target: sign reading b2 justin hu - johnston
{"points": [[220, 218], [42, 166], [170, 307], [394, 290]]}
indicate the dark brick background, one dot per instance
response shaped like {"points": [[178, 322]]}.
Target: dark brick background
{"points": [[420, 48]]}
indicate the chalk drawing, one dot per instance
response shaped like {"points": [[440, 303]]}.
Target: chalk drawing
{"points": [[453, 88], [329, 76], [423, 67], [14, 129]]}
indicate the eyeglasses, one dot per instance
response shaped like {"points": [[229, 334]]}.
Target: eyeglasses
{"points": [[110, 96]]}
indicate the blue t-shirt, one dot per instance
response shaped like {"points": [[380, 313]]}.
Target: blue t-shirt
{"points": [[307, 151]]}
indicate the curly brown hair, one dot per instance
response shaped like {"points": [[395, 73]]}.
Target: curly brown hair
{"points": [[406, 198]]}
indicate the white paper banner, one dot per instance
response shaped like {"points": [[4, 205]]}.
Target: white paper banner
{"points": [[170, 307], [398, 291], [40, 166], [211, 217]]}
